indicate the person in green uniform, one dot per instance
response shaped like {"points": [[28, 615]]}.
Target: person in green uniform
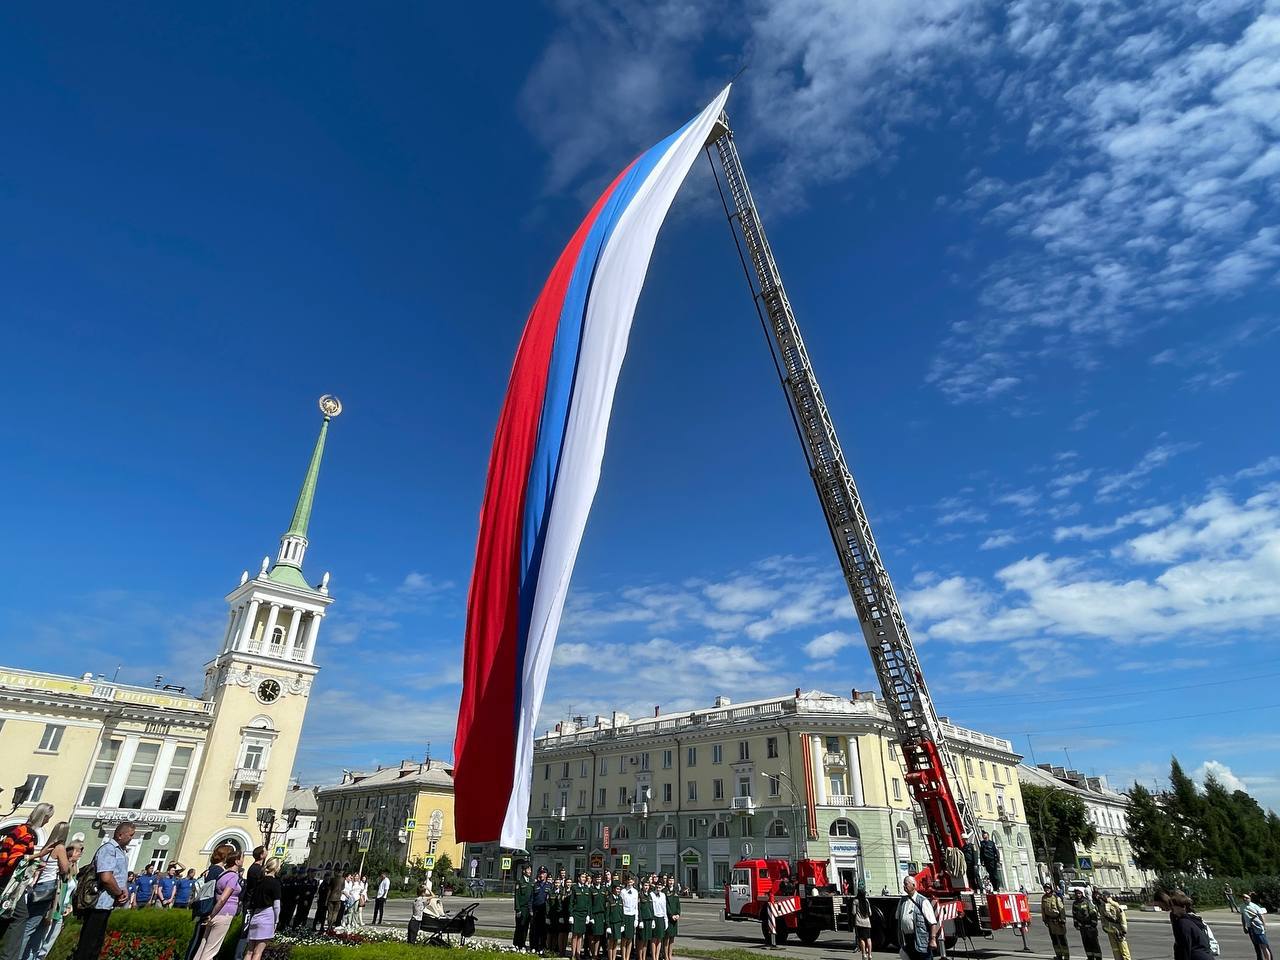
{"points": [[1054, 914], [599, 910], [630, 909], [1085, 917], [524, 893], [580, 910], [613, 919], [644, 923], [673, 917], [658, 934], [566, 915], [553, 918]]}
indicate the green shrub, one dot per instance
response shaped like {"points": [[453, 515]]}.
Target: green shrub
{"points": [[160, 929], [1207, 891], [384, 951]]}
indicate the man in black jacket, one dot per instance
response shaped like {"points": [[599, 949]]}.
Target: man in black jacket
{"points": [[990, 855]]}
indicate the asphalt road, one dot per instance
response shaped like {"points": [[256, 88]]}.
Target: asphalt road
{"points": [[702, 926]]}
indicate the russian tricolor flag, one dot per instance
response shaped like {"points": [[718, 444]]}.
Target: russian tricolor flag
{"points": [[543, 472]]}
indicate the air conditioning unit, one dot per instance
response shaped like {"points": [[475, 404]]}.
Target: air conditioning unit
{"points": [[702, 821], [634, 761], [349, 835]]}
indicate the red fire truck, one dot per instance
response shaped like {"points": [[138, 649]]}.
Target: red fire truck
{"points": [[951, 878]]}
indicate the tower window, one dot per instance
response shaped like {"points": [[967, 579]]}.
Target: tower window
{"points": [[253, 755], [277, 637]]}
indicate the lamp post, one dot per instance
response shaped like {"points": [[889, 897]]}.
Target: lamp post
{"points": [[795, 817], [20, 795]]}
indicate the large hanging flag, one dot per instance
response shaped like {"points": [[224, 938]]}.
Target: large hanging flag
{"points": [[543, 471]]}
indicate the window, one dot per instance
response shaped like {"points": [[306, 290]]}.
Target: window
{"points": [[691, 757], [893, 750], [691, 827], [668, 832], [240, 801], [604, 766], [842, 828], [582, 798], [603, 796], [560, 830], [833, 744], [542, 832], [995, 772], [642, 830], [546, 801], [744, 786], [666, 793], [982, 769], [622, 764], [253, 761], [135, 785], [968, 766], [644, 761], [622, 833], [717, 753], [837, 785], [666, 759], [51, 738], [622, 796], [1013, 805], [974, 798], [580, 832], [721, 871], [748, 825], [771, 748], [744, 750], [582, 769], [159, 856], [897, 789], [175, 778], [101, 774], [719, 830], [717, 789], [775, 785], [693, 789], [989, 808], [564, 799], [35, 787], [902, 833], [546, 771], [564, 770], [777, 829]]}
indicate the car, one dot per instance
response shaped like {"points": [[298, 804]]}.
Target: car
{"points": [[1084, 886]]}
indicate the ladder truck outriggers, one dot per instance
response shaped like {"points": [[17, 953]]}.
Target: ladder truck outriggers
{"points": [[930, 770]]}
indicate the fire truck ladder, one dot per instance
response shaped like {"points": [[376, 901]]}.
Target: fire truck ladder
{"points": [[930, 768]]}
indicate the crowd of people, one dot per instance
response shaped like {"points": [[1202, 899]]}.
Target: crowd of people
{"points": [[598, 915], [38, 881]]}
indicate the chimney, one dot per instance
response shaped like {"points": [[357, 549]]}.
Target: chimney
{"points": [[657, 709], [853, 694], [797, 693]]}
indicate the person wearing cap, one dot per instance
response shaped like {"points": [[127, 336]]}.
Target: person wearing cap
{"points": [[1054, 914], [644, 919], [1116, 925], [659, 932], [613, 920], [599, 916], [1085, 917], [523, 894], [554, 897], [580, 910], [538, 911], [673, 918], [630, 897]]}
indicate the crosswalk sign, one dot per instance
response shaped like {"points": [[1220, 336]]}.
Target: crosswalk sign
{"points": [[411, 824], [431, 863], [506, 863], [626, 859], [279, 850], [366, 840]]}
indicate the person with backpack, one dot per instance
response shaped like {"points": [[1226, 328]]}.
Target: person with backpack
{"points": [[1256, 927], [1191, 940], [917, 924], [204, 895], [103, 886], [226, 905], [50, 868]]}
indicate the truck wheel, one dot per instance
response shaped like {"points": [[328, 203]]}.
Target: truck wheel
{"points": [[808, 935]]}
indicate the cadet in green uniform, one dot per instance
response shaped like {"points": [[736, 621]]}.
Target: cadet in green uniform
{"points": [[524, 892], [1116, 924], [553, 917], [1085, 917], [644, 925], [659, 932], [1054, 914], [673, 917], [579, 910], [613, 919], [630, 908], [596, 924]]}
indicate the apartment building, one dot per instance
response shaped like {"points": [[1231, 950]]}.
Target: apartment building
{"points": [[810, 775]]}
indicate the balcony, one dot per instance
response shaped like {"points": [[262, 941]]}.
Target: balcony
{"points": [[833, 760], [841, 800], [640, 809], [746, 805], [559, 813], [246, 777]]}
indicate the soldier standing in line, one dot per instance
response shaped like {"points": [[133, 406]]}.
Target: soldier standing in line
{"points": [[580, 910], [613, 919], [599, 916], [1054, 914], [644, 926], [1116, 924], [630, 897], [1085, 917], [524, 893], [673, 918]]}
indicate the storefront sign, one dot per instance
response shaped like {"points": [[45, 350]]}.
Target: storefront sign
{"points": [[845, 848]]}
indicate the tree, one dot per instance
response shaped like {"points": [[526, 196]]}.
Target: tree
{"points": [[1186, 808], [1150, 833], [442, 874], [1065, 821]]}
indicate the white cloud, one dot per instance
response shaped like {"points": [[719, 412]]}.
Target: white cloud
{"points": [[828, 644], [1147, 517], [1113, 484], [998, 539], [1222, 773]]}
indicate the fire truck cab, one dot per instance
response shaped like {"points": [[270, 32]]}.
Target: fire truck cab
{"points": [[755, 883]]}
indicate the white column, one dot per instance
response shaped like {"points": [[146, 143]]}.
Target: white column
{"points": [[819, 769], [246, 628], [291, 638], [159, 774], [272, 616], [313, 627], [855, 772], [234, 633], [231, 623], [121, 772], [193, 774]]}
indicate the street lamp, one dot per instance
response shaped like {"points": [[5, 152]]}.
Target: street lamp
{"points": [[20, 795], [795, 817], [267, 821]]}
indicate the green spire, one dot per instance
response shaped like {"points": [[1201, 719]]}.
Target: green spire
{"points": [[302, 512]]}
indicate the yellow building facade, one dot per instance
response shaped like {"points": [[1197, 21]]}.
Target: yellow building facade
{"points": [[190, 771], [407, 811]]}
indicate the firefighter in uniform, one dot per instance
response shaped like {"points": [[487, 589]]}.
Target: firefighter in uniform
{"points": [[1085, 917], [1116, 924], [990, 855], [524, 894], [1054, 914]]}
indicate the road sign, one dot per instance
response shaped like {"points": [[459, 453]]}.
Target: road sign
{"points": [[1086, 863], [411, 825], [431, 863], [279, 850], [506, 864], [626, 859], [528, 833], [366, 840]]}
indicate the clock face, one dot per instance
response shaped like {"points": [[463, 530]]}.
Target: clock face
{"points": [[268, 691]]}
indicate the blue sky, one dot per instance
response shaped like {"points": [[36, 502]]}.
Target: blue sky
{"points": [[1034, 248]]}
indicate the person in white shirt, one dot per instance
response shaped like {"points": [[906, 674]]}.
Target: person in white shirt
{"points": [[659, 932], [917, 925], [380, 900], [362, 897], [630, 908]]}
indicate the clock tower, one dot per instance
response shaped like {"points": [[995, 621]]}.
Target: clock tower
{"points": [[259, 685]]}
